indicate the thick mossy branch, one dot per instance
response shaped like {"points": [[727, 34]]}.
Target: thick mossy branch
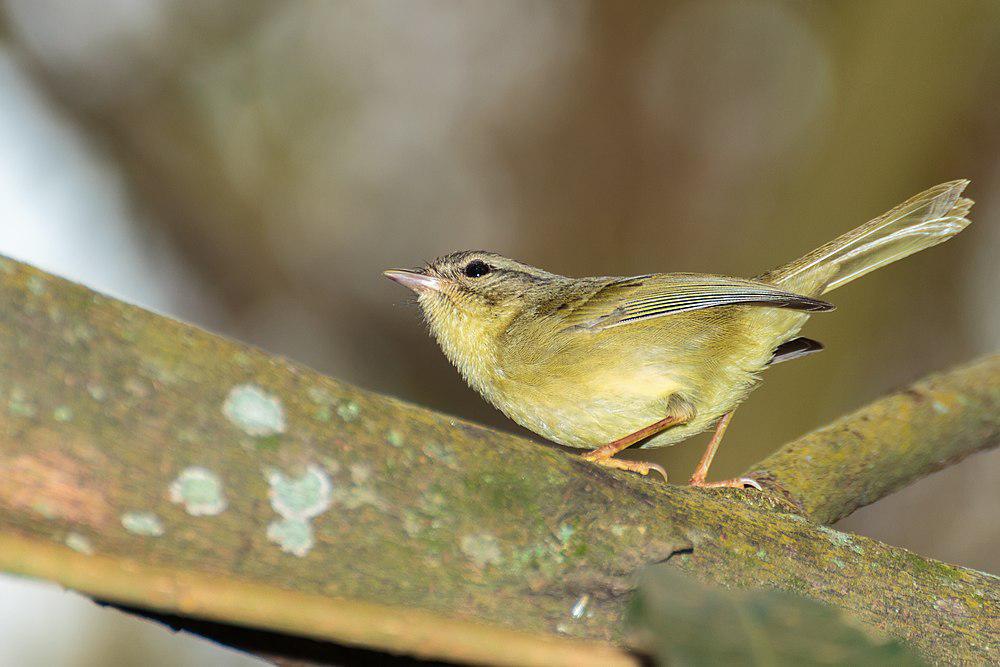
{"points": [[886, 445], [148, 462], [230, 600]]}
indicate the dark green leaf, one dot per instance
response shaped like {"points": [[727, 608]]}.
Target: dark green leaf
{"points": [[684, 622]]}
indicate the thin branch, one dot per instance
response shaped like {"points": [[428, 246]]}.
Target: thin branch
{"points": [[884, 446], [150, 463]]}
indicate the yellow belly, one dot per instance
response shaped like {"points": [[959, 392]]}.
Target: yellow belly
{"points": [[599, 391], [592, 414]]}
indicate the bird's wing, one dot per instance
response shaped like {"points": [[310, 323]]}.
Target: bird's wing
{"points": [[640, 298]]}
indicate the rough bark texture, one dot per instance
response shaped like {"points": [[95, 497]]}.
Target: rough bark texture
{"points": [[220, 482], [884, 446]]}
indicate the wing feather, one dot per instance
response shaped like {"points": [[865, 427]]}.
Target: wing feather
{"points": [[629, 300]]}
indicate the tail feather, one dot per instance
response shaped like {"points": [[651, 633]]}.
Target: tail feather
{"points": [[931, 217]]}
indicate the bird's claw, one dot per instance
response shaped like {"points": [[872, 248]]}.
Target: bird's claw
{"points": [[658, 468], [641, 467], [735, 483]]}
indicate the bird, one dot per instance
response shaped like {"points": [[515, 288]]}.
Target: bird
{"points": [[604, 363]]}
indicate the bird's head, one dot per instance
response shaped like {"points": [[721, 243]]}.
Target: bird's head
{"points": [[470, 298]]}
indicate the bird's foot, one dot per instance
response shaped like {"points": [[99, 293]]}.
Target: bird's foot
{"points": [[734, 483], [641, 467]]}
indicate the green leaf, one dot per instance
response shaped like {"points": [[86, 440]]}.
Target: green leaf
{"points": [[681, 621]]}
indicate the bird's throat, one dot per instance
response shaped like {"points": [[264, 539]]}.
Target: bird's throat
{"points": [[470, 345]]}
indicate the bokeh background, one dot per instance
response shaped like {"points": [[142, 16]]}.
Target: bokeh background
{"points": [[252, 166]]}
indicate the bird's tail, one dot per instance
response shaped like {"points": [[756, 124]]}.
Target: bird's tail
{"points": [[931, 217]]}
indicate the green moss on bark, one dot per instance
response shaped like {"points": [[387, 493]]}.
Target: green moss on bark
{"points": [[874, 451], [106, 406]]}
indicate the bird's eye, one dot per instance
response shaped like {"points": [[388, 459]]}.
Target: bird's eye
{"points": [[477, 268]]}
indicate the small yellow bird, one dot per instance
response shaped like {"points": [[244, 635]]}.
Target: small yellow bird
{"points": [[605, 363]]}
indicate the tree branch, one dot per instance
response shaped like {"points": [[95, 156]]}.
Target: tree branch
{"points": [[884, 446], [219, 598], [153, 464]]}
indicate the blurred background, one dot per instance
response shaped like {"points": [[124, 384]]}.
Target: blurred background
{"points": [[253, 166]]}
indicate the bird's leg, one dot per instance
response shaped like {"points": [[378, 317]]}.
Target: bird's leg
{"points": [[701, 472], [604, 455]]}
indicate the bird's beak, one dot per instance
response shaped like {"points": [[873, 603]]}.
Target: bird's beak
{"points": [[418, 282]]}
